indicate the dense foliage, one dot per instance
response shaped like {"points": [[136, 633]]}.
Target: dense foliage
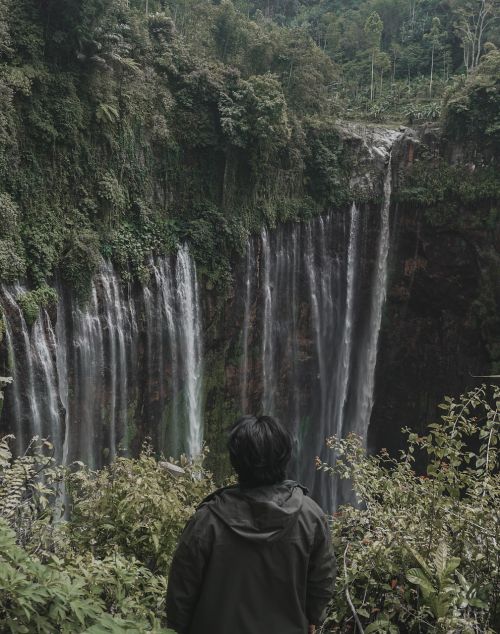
{"points": [[128, 127], [136, 508], [125, 131], [420, 553], [397, 56], [105, 569]]}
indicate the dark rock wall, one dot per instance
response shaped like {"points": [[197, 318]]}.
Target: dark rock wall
{"points": [[432, 343]]}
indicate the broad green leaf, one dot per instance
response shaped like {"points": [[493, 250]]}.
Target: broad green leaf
{"points": [[418, 577]]}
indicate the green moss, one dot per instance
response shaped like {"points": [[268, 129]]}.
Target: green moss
{"points": [[32, 301], [452, 196], [220, 413]]}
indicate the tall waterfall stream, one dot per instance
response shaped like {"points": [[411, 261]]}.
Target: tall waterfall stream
{"points": [[131, 363]]}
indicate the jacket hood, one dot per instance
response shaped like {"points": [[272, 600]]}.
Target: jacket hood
{"points": [[260, 514]]}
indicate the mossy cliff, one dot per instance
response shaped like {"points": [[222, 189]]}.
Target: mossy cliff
{"points": [[441, 327], [124, 134]]}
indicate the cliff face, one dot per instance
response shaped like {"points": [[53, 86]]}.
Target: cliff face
{"points": [[440, 327], [372, 311]]}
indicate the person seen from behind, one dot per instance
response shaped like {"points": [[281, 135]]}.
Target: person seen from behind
{"points": [[255, 558]]}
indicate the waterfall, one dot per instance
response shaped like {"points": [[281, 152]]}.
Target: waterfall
{"points": [[246, 324], [268, 355], [128, 364], [86, 380], [24, 361], [167, 297], [15, 387], [294, 343], [43, 342], [319, 313], [366, 380], [114, 327], [61, 346], [88, 373], [313, 295], [346, 352], [190, 345]]}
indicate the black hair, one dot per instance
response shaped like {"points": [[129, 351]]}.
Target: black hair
{"points": [[260, 449]]}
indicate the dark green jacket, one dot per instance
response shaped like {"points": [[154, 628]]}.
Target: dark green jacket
{"points": [[252, 561]]}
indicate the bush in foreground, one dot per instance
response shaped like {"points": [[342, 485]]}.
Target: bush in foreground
{"points": [[101, 571], [420, 553]]}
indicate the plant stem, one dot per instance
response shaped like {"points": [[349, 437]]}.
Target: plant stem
{"points": [[348, 596]]}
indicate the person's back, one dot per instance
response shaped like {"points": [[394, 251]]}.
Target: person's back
{"points": [[255, 558]]}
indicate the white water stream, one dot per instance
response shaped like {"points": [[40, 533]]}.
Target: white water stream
{"points": [[129, 364]]}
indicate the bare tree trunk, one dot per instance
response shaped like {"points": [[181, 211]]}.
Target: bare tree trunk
{"points": [[432, 71], [373, 70]]}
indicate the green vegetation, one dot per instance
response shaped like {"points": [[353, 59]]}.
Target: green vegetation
{"points": [[127, 127], [398, 57], [126, 131], [134, 507], [419, 553], [464, 197], [105, 569], [472, 106], [32, 301]]}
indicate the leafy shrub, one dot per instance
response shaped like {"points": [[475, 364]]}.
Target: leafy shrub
{"points": [[130, 244], [112, 193], [420, 552], [81, 259], [46, 585], [134, 507], [471, 105], [32, 301], [12, 256], [48, 597], [27, 505], [213, 238], [415, 113]]}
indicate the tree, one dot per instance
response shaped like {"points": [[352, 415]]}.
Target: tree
{"points": [[395, 53], [373, 31], [472, 106], [383, 63], [434, 36], [474, 18]]}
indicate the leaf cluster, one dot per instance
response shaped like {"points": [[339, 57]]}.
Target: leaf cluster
{"points": [[134, 507], [419, 551]]}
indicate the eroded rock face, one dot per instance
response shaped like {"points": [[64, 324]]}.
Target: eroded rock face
{"points": [[370, 147], [432, 343], [294, 336]]}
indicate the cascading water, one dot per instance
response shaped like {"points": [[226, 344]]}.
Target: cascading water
{"points": [[339, 392], [244, 369], [128, 365], [268, 355], [82, 383], [190, 346], [44, 346], [320, 290], [366, 380]]}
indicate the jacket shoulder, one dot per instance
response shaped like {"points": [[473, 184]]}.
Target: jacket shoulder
{"points": [[312, 508]]}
